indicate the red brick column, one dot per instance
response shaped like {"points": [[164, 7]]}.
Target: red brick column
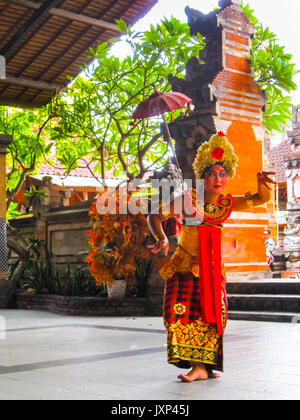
{"points": [[239, 114]]}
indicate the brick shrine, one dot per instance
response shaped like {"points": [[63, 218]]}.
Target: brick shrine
{"points": [[226, 97]]}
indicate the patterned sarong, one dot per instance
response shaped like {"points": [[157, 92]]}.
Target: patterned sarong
{"points": [[189, 338]]}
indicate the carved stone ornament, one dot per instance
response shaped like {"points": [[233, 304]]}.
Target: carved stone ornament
{"points": [[226, 3], [292, 233]]}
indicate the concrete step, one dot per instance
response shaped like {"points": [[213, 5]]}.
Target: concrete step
{"points": [[280, 286], [264, 302], [264, 316]]}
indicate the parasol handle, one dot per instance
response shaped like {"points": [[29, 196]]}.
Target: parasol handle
{"points": [[170, 140]]}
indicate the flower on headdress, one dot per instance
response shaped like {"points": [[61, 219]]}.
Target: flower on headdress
{"points": [[218, 153], [217, 149]]}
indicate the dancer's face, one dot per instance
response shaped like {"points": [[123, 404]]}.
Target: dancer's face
{"points": [[215, 180]]}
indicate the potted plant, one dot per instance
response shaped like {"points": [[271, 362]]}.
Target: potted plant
{"points": [[115, 241], [35, 198]]}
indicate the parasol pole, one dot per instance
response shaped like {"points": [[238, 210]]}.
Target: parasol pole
{"points": [[170, 140]]}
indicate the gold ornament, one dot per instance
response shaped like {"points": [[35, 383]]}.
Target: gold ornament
{"points": [[216, 150], [249, 200]]}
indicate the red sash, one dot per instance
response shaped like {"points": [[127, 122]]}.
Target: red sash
{"points": [[210, 274]]}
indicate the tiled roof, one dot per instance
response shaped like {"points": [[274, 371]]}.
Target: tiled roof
{"points": [[78, 181], [80, 177], [57, 169], [277, 156], [77, 177]]}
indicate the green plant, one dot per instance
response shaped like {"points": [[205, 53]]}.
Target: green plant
{"points": [[34, 276], [76, 282], [143, 269], [42, 275], [35, 197], [274, 72], [95, 115], [12, 212], [31, 130]]}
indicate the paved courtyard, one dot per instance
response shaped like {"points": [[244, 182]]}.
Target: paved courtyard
{"points": [[45, 356]]}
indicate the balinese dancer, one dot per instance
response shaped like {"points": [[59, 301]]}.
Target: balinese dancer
{"points": [[195, 305]]}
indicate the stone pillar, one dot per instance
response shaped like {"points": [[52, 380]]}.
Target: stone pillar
{"points": [[292, 231], [4, 143]]}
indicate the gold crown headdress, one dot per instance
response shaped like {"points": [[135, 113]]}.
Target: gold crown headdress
{"points": [[216, 150]]}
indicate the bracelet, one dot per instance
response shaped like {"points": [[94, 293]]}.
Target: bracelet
{"points": [[157, 238], [249, 200]]}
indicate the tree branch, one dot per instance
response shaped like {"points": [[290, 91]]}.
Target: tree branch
{"points": [[22, 252]]}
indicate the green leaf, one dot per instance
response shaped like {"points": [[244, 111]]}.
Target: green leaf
{"points": [[273, 71]]}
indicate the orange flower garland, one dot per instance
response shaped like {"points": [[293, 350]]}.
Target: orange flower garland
{"points": [[115, 241]]}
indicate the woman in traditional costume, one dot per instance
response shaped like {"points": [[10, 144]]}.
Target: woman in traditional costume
{"points": [[195, 304]]}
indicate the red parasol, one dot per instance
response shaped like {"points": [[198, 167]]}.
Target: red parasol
{"points": [[159, 103]]}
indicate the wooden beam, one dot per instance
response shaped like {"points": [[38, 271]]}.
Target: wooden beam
{"points": [[77, 17], [19, 103], [2, 67], [20, 36], [29, 83], [83, 19]]}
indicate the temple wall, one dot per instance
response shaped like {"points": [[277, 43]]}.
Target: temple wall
{"points": [[239, 115], [62, 232]]}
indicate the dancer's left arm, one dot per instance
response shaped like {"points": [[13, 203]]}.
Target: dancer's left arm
{"points": [[262, 196]]}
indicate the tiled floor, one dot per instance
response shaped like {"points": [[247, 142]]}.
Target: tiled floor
{"points": [[49, 356]]}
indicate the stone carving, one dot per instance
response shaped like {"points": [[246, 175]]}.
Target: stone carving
{"points": [[292, 233], [292, 244], [200, 22], [170, 173]]}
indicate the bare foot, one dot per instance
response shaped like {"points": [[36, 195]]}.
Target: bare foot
{"points": [[213, 375], [196, 374]]}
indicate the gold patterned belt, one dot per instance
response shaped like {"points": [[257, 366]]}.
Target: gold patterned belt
{"points": [[195, 259]]}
